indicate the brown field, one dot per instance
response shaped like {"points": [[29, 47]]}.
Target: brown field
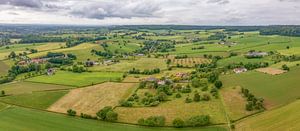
{"points": [[90, 100], [271, 71], [234, 103], [173, 109], [189, 62]]}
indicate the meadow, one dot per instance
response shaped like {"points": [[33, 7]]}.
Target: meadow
{"points": [[276, 90], [283, 118], [47, 121], [77, 79], [29, 87], [38, 100]]}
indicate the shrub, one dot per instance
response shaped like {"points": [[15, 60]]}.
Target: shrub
{"points": [[178, 123], [111, 116], [188, 100], [218, 84], [178, 95], [107, 114], [201, 120], [205, 97], [196, 97], [153, 121], [71, 112], [126, 103]]}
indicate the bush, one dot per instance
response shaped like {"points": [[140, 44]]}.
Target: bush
{"points": [[205, 97], [201, 120], [178, 123], [218, 84], [126, 103], [111, 116], [188, 100], [196, 97], [178, 95], [107, 114], [71, 112], [152, 121], [86, 116]]}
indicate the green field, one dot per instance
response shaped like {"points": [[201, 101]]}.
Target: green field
{"points": [[281, 119], [38, 100], [276, 90], [77, 79], [33, 120], [238, 59], [126, 65], [29, 87]]}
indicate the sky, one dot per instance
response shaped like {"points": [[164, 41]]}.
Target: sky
{"points": [[144, 12]]}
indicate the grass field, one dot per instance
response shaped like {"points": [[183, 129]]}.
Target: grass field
{"points": [[173, 109], [276, 90], [291, 51], [234, 103], [16, 88], [3, 68], [77, 79], [90, 100], [126, 65], [33, 120], [82, 51], [239, 59], [281, 119], [38, 100]]}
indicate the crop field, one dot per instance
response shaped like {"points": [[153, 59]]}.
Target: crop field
{"points": [[29, 87], [77, 79], [90, 100], [283, 118], [173, 109], [277, 90], [38, 100], [189, 62], [126, 65], [47, 121]]}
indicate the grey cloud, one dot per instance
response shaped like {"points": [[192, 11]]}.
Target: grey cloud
{"points": [[218, 1], [23, 3], [125, 9]]}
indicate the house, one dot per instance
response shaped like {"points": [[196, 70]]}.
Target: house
{"points": [[38, 61], [256, 54], [239, 70]]}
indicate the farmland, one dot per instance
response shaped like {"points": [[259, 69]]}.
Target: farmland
{"points": [[142, 78]]}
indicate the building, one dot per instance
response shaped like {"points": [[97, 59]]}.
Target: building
{"points": [[239, 70]]}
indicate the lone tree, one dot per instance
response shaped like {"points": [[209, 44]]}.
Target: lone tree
{"points": [[2, 93], [218, 84]]}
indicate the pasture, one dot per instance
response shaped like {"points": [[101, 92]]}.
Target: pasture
{"points": [[16, 88], [77, 79], [90, 100], [280, 119], [38, 100], [46, 121], [276, 90]]}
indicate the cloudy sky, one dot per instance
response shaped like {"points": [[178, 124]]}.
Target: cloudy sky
{"points": [[124, 12]]}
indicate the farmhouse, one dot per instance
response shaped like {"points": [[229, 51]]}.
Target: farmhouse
{"points": [[239, 70], [256, 54]]}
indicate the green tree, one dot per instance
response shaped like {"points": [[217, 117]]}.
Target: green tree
{"points": [[102, 113], [196, 82], [111, 116], [196, 97], [218, 84]]}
